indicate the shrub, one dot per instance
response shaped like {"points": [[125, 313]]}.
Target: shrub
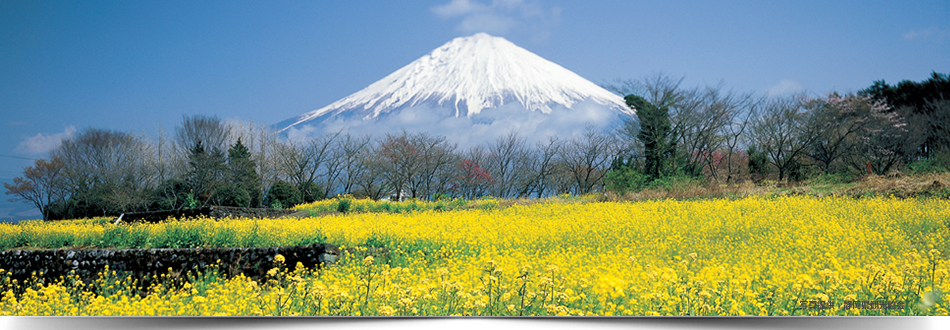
{"points": [[939, 163], [344, 205], [311, 192], [230, 195], [626, 179], [283, 194]]}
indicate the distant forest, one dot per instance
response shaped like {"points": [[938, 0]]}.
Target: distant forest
{"points": [[702, 134]]}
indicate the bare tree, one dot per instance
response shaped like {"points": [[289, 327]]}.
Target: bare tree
{"points": [[661, 90], [167, 162], [108, 170], [304, 162], [778, 131], [372, 181], [544, 162], [735, 132], [401, 159], [330, 155], [420, 163], [883, 140], [438, 160], [507, 163], [588, 158], [561, 180], [472, 179], [211, 132], [836, 122], [40, 185], [353, 150], [204, 141]]}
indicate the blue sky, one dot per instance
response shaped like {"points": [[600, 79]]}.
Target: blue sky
{"points": [[140, 65]]}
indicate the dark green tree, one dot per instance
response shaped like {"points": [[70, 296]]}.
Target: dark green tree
{"points": [[655, 134], [311, 192], [169, 195], [207, 172], [231, 195], [758, 163], [242, 173], [924, 105], [283, 194]]}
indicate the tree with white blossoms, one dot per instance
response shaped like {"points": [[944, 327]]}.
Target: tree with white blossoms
{"points": [[856, 131]]}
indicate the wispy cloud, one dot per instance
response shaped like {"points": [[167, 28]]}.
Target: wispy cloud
{"points": [[42, 143], [784, 87], [501, 17], [466, 131], [933, 31]]}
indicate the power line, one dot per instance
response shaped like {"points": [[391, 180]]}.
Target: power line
{"points": [[17, 157]]}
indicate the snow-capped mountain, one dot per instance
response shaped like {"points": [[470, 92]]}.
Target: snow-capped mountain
{"points": [[468, 87]]}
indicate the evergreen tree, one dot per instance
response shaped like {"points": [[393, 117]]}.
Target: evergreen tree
{"points": [[242, 173], [206, 171], [655, 131]]}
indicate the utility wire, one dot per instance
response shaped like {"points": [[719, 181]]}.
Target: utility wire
{"points": [[17, 157]]}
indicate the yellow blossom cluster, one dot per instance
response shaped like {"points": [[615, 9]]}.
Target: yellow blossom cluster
{"points": [[752, 256]]}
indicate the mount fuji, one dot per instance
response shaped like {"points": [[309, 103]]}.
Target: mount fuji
{"points": [[471, 90]]}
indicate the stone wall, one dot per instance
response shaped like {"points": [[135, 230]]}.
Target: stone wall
{"points": [[217, 212], [142, 264]]}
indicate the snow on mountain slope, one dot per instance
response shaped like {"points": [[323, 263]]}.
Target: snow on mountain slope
{"points": [[463, 78]]}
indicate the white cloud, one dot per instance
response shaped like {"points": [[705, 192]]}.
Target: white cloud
{"points": [[501, 17], [458, 8], [921, 33], [938, 32], [490, 23], [42, 143], [784, 87], [470, 131]]}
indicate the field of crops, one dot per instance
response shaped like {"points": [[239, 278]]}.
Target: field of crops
{"points": [[752, 256]]}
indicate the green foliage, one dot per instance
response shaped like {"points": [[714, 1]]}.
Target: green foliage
{"points": [[181, 237], [206, 171], [758, 161], [675, 182], [86, 203], [232, 195], [832, 178], [626, 179], [283, 193], [348, 204], [926, 106], [242, 173], [344, 205], [169, 195], [939, 163], [190, 201], [629, 179], [311, 192], [655, 133], [441, 197]]}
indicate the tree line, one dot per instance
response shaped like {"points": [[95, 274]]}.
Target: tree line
{"points": [[704, 134], [716, 136], [209, 161]]}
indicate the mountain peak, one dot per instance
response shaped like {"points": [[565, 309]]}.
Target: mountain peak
{"points": [[468, 75]]}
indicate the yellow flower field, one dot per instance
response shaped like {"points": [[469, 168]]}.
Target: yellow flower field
{"points": [[753, 256]]}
